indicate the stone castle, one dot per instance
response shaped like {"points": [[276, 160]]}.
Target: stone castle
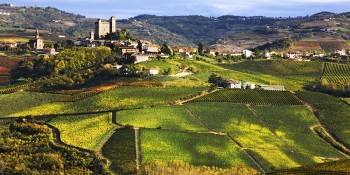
{"points": [[103, 27]]}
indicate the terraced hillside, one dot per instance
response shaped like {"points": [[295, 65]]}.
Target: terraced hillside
{"points": [[336, 73]]}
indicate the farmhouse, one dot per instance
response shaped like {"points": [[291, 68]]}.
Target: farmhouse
{"points": [[151, 71], [247, 53], [248, 85], [234, 84], [7, 44]]}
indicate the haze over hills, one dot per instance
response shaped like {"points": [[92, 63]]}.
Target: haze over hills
{"points": [[225, 32]]}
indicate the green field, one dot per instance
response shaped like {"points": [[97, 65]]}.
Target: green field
{"points": [[242, 124], [21, 101], [258, 97], [120, 150], [167, 117], [334, 73], [125, 97], [85, 131], [333, 112], [292, 123], [293, 75], [196, 149]]}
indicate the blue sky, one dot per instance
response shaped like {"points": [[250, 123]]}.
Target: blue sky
{"points": [[129, 8]]}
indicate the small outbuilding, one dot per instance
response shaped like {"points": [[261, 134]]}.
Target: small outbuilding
{"points": [[234, 84]]}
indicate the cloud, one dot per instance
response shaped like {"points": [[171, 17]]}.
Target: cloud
{"points": [[126, 9]]}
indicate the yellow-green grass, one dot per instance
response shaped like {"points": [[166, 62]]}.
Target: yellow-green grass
{"points": [[292, 124], [334, 167], [17, 39], [193, 148], [13, 103], [85, 131], [333, 112], [126, 97], [347, 100], [167, 117], [120, 151], [280, 159]]}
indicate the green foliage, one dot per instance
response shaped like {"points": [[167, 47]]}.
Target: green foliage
{"points": [[281, 44], [167, 117], [216, 80], [27, 148], [85, 131], [120, 150], [333, 112], [246, 96], [119, 35], [194, 148], [165, 49]]}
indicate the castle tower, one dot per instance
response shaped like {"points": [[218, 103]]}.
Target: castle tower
{"points": [[113, 25], [37, 34], [92, 36]]}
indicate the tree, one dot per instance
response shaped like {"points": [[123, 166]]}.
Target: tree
{"points": [[139, 46], [165, 49], [217, 80], [200, 49]]}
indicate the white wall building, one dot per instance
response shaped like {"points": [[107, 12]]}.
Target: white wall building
{"points": [[247, 53], [234, 84]]}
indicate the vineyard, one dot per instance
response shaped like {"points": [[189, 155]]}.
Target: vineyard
{"points": [[333, 112], [334, 73], [120, 150], [21, 101], [269, 133], [196, 149], [257, 97], [167, 117], [85, 131]]}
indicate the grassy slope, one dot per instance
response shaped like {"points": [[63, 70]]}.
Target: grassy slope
{"points": [[86, 131], [293, 75], [167, 117], [292, 123], [196, 149], [333, 112], [240, 123], [20, 101], [119, 98]]}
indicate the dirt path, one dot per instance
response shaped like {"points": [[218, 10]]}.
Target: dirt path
{"points": [[245, 150], [138, 150], [269, 127], [321, 125]]}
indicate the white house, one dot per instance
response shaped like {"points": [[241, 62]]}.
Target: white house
{"points": [[50, 51], [141, 58], [267, 55], [247, 53], [151, 48], [151, 71], [292, 55], [234, 84], [272, 87], [340, 52], [248, 85]]}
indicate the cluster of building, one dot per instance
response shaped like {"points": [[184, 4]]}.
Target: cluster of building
{"points": [[236, 84]]}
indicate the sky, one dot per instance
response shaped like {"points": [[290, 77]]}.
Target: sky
{"points": [[123, 9]]}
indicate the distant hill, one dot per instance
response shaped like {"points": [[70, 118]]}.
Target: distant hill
{"points": [[223, 33]]}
